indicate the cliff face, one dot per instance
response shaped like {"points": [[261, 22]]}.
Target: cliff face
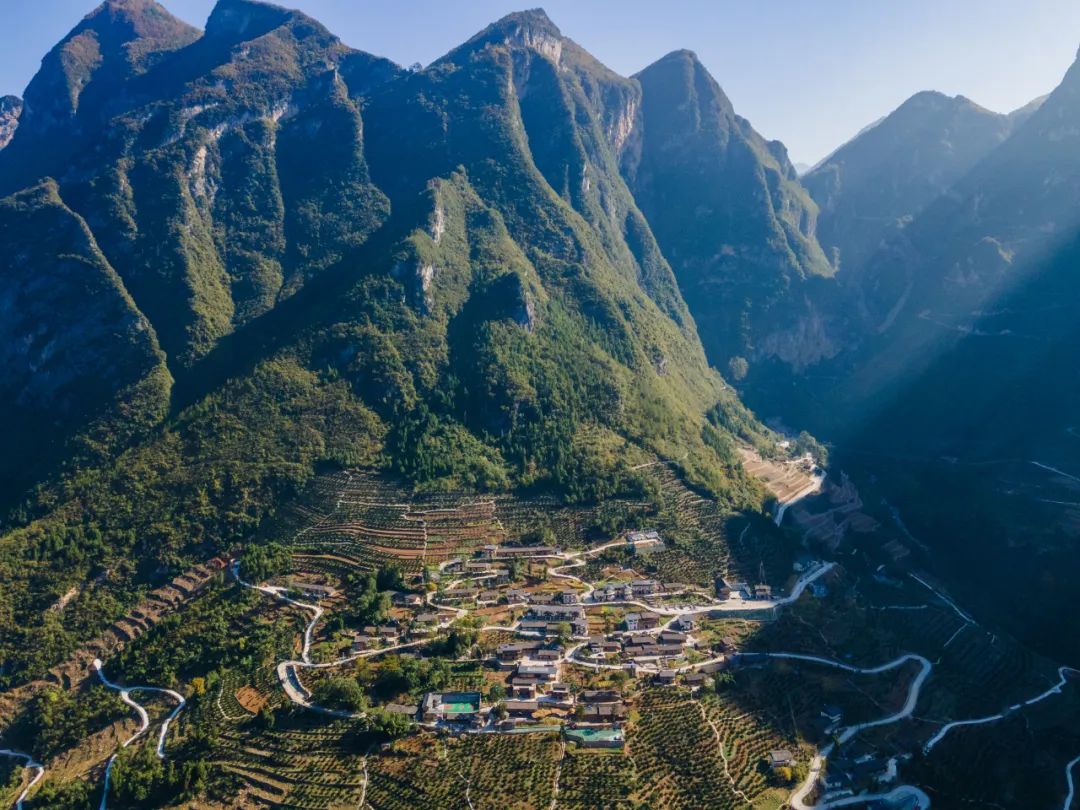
{"points": [[10, 110], [729, 214]]}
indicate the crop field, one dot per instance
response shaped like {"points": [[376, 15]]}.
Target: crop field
{"points": [[676, 754], [597, 780], [306, 762], [486, 772]]}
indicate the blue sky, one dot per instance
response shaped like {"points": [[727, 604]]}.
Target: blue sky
{"points": [[809, 72]]}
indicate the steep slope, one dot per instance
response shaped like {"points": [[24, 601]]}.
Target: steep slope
{"points": [[959, 393], [10, 110], [183, 186], [729, 213], [875, 184], [438, 272], [98, 366]]}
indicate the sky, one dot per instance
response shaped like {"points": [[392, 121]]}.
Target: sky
{"points": [[811, 73]]}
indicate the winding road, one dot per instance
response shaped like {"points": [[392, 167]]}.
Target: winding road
{"points": [[144, 720], [39, 773], [1063, 673], [798, 798]]}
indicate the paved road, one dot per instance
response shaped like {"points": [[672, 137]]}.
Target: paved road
{"points": [[798, 798], [38, 775], [1068, 778], [144, 720], [1063, 673]]}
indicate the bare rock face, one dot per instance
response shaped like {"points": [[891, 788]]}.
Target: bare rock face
{"points": [[10, 110]]}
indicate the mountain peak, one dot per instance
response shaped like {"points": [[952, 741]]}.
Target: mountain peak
{"points": [[531, 29], [246, 19]]}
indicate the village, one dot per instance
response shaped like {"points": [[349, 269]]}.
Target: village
{"points": [[569, 650]]}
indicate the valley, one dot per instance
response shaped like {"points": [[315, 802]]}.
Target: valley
{"points": [[511, 433]]}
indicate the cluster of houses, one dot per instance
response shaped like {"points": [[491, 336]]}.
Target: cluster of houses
{"points": [[737, 589]]}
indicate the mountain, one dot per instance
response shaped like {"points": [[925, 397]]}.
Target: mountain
{"points": [[10, 110], [956, 392], [728, 211], [877, 183], [300, 255]]}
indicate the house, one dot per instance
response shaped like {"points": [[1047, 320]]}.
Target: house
{"points": [[644, 542], [488, 598], [388, 633], [671, 637], [559, 691], [723, 590], [762, 591], [522, 689], [521, 708], [548, 655], [568, 597], [452, 707], [684, 623], [641, 621], [781, 759], [493, 552], [460, 594], [603, 712], [695, 680], [738, 590], [313, 591], [515, 652], [538, 671], [644, 587], [361, 643], [665, 677], [574, 615], [515, 595], [407, 599]]}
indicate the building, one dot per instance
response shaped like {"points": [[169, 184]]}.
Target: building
{"points": [[515, 652], [685, 624], [781, 759], [538, 671], [451, 707], [641, 621], [762, 591], [493, 552], [407, 599], [603, 712], [644, 542], [460, 594], [521, 708], [574, 615], [312, 590], [361, 644], [695, 680], [644, 587], [665, 677], [488, 598], [568, 597]]}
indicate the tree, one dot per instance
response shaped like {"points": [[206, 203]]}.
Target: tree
{"points": [[340, 693], [496, 693], [738, 368], [565, 631]]}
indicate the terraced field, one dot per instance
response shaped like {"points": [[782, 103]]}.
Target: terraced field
{"points": [[485, 772]]}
